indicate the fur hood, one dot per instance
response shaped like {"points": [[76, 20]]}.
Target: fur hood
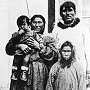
{"points": [[63, 26]]}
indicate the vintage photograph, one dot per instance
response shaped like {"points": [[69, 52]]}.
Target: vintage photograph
{"points": [[45, 45]]}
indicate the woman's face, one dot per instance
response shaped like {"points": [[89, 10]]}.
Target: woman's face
{"points": [[68, 14], [66, 52], [37, 24]]}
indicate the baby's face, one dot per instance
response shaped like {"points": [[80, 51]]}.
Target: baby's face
{"points": [[24, 26]]}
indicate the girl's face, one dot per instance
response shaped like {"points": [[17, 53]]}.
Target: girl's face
{"points": [[66, 52], [38, 24], [68, 14]]}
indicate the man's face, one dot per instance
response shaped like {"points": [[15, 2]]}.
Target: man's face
{"points": [[66, 52], [68, 14], [38, 25]]}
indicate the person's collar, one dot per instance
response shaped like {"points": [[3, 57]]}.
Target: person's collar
{"points": [[64, 26]]}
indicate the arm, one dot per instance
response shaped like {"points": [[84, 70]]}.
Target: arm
{"points": [[53, 74], [80, 77], [47, 51], [86, 39], [50, 81], [82, 80], [11, 45], [24, 48]]}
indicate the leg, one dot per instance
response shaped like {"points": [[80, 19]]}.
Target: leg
{"points": [[16, 61], [15, 73], [24, 68]]}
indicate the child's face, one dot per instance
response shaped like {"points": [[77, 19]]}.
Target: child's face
{"points": [[66, 52], [24, 25]]}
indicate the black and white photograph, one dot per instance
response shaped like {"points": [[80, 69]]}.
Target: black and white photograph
{"points": [[45, 45]]}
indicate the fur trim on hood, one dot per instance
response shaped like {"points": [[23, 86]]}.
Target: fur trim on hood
{"points": [[63, 26]]}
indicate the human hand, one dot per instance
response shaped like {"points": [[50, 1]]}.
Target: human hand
{"points": [[24, 48], [32, 42]]}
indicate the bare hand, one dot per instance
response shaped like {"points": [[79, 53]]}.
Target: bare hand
{"points": [[32, 42], [22, 46]]}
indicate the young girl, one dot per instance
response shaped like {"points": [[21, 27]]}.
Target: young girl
{"points": [[66, 74]]}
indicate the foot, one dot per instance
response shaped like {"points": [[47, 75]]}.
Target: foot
{"points": [[24, 75], [14, 75]]}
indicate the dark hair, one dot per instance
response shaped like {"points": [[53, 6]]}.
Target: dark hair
{"points": [[67, 4], [22, 19], [39, 16], [64, 62], [67, 43]]}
